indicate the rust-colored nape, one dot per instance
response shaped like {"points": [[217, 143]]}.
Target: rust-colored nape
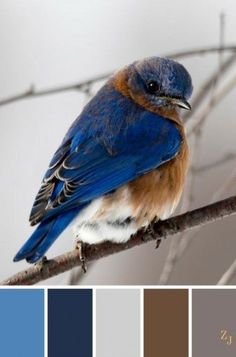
{"points": [[119, 80]]}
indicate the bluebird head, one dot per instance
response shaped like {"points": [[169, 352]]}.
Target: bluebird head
{"points": [[160, 81]]}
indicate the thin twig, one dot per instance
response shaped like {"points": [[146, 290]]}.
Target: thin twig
{"points": [[219, 194], [216, 99], [33, 93], [169, 261], [202, 51], [179, 246], [188, 198], [212, 165], [188, 238], [230, 180], [80, 86], [161, 229], [228, 275], [221, 39], [208, 84]]}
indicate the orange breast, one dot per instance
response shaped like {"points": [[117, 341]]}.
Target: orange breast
{"points": [[157, 193]]}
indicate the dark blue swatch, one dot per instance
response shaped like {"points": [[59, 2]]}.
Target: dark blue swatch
{"points": [[69, 322], [22, 322]]}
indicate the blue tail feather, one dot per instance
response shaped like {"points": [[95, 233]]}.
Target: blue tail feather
{"points": [[44, 236]]}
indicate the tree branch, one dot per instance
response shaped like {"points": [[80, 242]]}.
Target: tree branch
{"points": [[161, 229], [228, 275], [80, 86], [216, 98], [208, 85], [223, 160], [202, 51], [190, 236], [33, 93]]}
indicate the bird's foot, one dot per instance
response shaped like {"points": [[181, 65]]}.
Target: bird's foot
{"points": [[158, 242], [152, 233], [81, 246], [147, 232], [42, 262]]}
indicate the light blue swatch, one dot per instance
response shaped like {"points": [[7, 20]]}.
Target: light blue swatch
{"points": [[22, 322]]}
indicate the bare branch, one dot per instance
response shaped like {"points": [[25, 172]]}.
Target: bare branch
{"points": [[180, 245], [221, 38], [216, 98], [223, 189], [209, 83], [161, 229], [189, 237], [170, 261], [202, 51], [228, 275], [81, 86], [33, 93], [214, 79], [188, 197], [212, 165]]}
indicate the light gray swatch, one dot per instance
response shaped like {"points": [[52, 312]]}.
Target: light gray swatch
{"points": [[118, 323]]}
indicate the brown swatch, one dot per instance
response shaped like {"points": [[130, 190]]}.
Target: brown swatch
{"points": [[165, 323]]}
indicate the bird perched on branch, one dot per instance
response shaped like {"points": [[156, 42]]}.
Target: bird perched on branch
{"points": [[121, 164]]}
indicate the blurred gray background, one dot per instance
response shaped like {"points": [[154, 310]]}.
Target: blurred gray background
{"points": [[52, 43]]}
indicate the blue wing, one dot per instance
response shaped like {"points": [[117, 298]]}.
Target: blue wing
{"points": [[112, 142], [105, 148]]}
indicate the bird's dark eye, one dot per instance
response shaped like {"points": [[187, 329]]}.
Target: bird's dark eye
{"points": [[153, 87]]}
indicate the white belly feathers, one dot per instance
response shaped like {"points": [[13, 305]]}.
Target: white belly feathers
{"points": [[100, 221]]}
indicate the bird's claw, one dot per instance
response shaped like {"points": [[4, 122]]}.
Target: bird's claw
{"points": [[151, 232], [158, 242], [81, 246], [42, 262], [44, 259]]}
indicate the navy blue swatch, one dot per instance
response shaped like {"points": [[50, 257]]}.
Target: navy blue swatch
{"points": [[22, 322], [70, 322]]}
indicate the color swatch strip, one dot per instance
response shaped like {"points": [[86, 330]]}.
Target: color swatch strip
{"points": [[120, 322]]}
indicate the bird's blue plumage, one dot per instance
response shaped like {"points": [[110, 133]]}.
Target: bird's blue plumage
{"points": [[45, 235], [107, 150], [171, 76], [112, 142]]}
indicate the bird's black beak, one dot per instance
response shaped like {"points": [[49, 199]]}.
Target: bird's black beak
{"points": [[182, 103]]}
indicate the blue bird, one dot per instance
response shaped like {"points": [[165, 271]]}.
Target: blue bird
{"points": [[121, 164]]}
